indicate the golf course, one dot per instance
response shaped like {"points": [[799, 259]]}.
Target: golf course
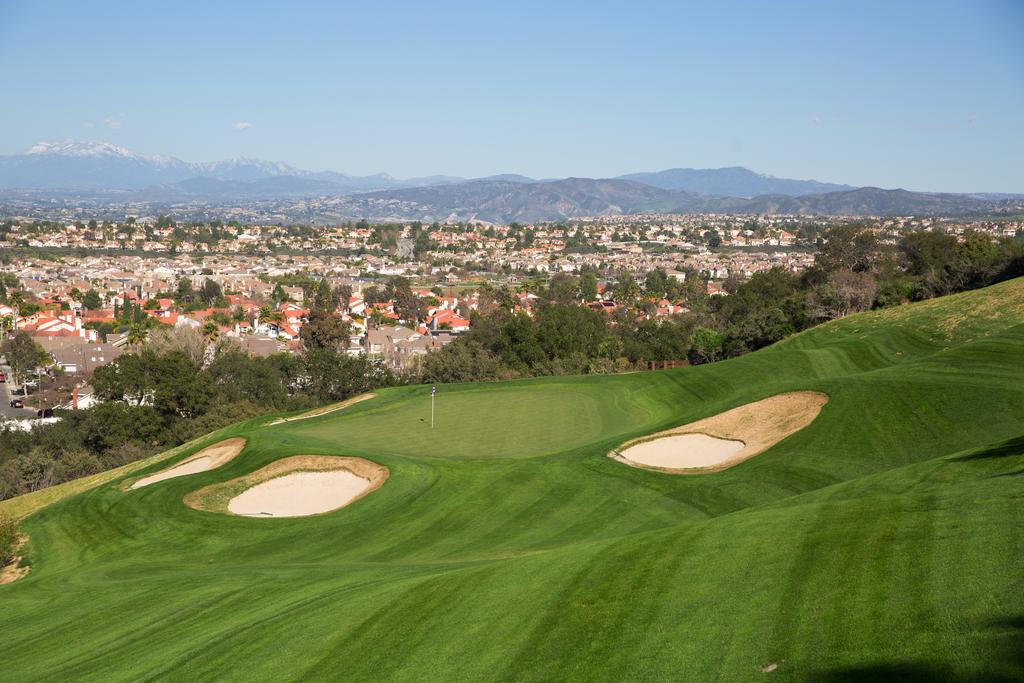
{"points": [[881, 535]]}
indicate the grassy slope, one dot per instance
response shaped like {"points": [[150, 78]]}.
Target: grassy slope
{"points": [[506, 545]]}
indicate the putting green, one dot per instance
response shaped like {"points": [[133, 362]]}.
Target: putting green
{"points": [[490, 421], [882, 540]]}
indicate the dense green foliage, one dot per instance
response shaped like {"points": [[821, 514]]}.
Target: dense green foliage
{"points": [[853, 272], [882, 541], [153, 400]]}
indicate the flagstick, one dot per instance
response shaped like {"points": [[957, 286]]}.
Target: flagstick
{"points": [[431, 410]]}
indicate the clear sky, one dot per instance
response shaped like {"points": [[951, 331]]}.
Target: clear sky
{"points": [[922, 95]]}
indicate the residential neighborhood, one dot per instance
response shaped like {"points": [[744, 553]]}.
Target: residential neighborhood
{"points": [[87, 290]]}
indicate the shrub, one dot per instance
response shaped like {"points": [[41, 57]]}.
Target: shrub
{"points": [[8, 539]]}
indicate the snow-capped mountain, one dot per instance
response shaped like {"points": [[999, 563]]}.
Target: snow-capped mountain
{"points": [[94, 165]]}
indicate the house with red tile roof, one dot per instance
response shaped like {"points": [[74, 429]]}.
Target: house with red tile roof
{"points": [[447, 320]]}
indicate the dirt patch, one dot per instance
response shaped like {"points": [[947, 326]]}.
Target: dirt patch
{"points": [[13, 571], [756, 426], [209, 458], [294, 486], [323, 410]]}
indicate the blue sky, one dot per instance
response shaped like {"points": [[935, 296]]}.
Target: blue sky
{"points": [[922, 95]]}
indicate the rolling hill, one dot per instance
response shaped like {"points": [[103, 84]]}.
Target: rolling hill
{"points": [[734, 181], [883, 540]]}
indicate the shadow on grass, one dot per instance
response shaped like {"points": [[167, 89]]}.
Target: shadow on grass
{"points": [[1006, 449], [1007, 663]]}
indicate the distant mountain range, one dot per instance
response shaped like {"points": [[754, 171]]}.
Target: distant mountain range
{"points": [[101, 168]]}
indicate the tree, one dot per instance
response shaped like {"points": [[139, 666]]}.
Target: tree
{"points": [[268, 315], [374, 295], [188, 340], [24, 355], [136, 334], [626, 289], [112, 425], [850, 247], [588, 286], [240, 378], [91, 300], [656, 283], [324, 330], [343, 294], [210, 292], [407, 304], [125, 379], [179, 390], [184, 293], [563, 289], [279, 296], [323, 300], [460, 361], [211, 331], [568, 330], [331, 376], [705, 346], [844, 292]]}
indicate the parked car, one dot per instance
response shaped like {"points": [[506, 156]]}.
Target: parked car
{"points": [[17, 403]]}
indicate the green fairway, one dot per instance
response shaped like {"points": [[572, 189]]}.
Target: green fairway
{"points": [[884, 539]]}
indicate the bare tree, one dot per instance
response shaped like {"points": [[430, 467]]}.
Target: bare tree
{"points": [[844, 292], [191, 341]]}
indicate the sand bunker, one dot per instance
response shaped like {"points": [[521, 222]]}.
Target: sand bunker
{"points": [[719, 442], [293, 487], [323, 410], [209, 458], [299, 493], [684, 451]]}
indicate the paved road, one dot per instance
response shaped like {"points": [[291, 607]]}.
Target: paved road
{"points": [[6, 411]]}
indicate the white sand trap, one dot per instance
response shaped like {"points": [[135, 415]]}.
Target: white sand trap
{"points": [[300, 493], [292, 487], [209, 458], [685, 451], [721, 441]]}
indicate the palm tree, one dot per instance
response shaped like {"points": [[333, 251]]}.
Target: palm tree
{"points": [[211, 331], [136, 334], [269, 315]]}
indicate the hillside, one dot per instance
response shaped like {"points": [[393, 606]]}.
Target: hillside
{"points": [[734, 181], [507, 201], [883, 540]]}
